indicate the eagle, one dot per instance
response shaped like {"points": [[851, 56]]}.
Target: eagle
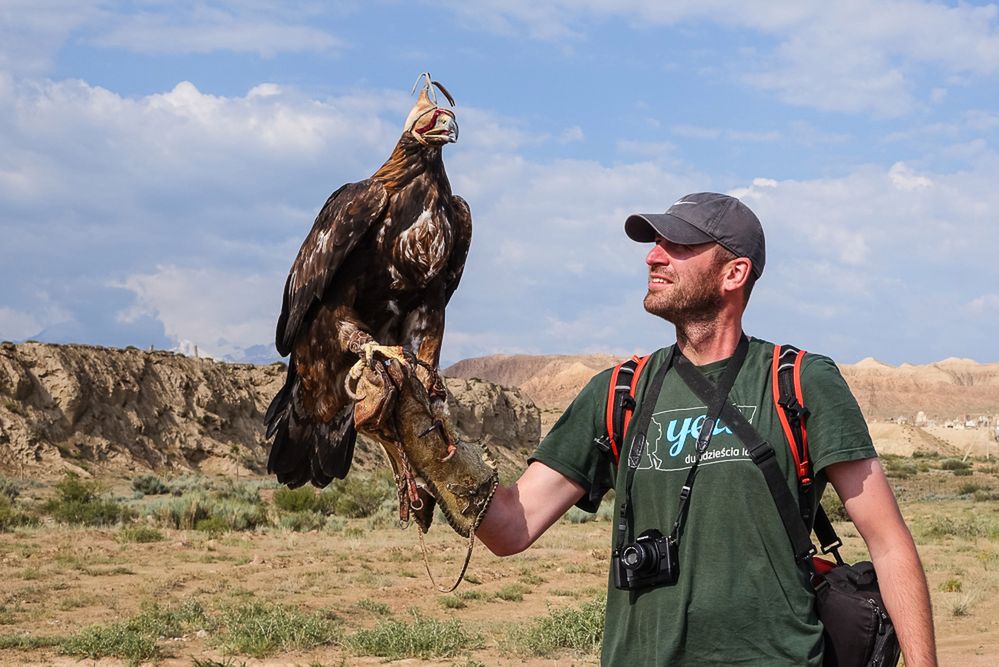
{"points": [[370, 282]]}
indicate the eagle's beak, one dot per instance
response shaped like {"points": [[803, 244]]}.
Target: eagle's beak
{"points": [[448, 127]]}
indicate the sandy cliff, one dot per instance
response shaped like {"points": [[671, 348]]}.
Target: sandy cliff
{"points": [[74, 406]]}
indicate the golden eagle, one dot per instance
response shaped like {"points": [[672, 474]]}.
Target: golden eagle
{"points": [[372, 277]]}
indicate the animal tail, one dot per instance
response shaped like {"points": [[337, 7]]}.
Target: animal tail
{"points": [[304, 449]]}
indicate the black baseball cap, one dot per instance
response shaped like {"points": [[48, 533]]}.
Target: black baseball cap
{"points": [[703, 217]]}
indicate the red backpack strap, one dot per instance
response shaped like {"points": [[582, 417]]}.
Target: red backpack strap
{"points": [[790, 406], [621, 401]]}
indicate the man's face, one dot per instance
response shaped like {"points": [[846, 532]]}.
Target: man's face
{"points": [[684, 281]]}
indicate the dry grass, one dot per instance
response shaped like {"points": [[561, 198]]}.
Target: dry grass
{"points": [[347, 595]]}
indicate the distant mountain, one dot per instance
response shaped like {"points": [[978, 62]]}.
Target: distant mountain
{"points": [[260, 355], [944, 390]]}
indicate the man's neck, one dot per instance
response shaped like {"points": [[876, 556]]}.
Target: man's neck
{"points": [[705, 342]]}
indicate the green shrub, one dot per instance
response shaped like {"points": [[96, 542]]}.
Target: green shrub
{"points": [[451, 602], [985, 495], [962, 472], [976, 526], [135, 640], [512, 592], [899, 468], [149, 485], [424, 638], [213, 525], [969, 488], [302, 521], [925, 454], [78, 502], [139, 534], [952, 585], [302, 499], [357, 496], [28, 642], [577, 629], [201, 510], [259, 629], [11, 517], [9, 488], [576, 515], [374, 606], [471, 595], [834, 507], [954, 464]]}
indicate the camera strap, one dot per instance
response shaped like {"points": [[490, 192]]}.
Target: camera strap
{"points": [[764, 457], [715, 404], [643, 417], [641, 421]]}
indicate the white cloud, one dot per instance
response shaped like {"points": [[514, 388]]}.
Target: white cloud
{"points": [[571, 135], [222, 312], [904, 178], [986, 304], [696, 132], [165, 27], [854, 56], [16, 325], [715, 133], [646, 149], [32, 33]]}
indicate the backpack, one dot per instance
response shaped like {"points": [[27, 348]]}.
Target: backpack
{"points": [[788, 401], [858, 631]]}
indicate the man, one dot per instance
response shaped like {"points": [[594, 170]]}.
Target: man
{"points": [[740, 598]]}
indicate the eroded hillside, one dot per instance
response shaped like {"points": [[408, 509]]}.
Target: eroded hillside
{"points": [[74, 406]]}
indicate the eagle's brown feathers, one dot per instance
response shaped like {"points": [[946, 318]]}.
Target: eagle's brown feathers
{"points": [[381, 262]]}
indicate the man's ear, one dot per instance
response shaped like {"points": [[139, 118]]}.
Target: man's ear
{"points": [[736, 274]]}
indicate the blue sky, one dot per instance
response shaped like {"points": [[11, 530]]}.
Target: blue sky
{"points": [[161, 162]]}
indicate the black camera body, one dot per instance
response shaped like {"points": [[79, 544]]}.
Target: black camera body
{"points": [[651, 560]]}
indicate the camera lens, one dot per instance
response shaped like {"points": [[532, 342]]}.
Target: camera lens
{"points": [[637, 557]]}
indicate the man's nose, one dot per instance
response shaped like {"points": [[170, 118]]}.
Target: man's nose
{"points": [[657, 255]]}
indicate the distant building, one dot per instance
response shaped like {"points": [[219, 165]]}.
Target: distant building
{"points": [[920, 418]]}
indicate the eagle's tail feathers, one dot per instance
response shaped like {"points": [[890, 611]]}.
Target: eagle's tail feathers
{"points": [[335, 452], [277, 411], [305, 450]]}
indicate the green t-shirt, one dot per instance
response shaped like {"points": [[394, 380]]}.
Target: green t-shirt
{"points": [[740, 598]]}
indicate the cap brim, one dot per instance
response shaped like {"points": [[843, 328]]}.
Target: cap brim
{"points": [[644, 227]]}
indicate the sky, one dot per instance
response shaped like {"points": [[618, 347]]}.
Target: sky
{"points": [[162, 161]]}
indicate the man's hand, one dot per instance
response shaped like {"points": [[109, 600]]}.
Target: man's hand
{"points": [[869, 501], [519, 514]]}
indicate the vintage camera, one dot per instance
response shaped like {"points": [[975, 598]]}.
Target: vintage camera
{"points": [[651, 560]]}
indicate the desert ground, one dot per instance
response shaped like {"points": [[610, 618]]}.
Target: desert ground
{"points": [[300, 584]]}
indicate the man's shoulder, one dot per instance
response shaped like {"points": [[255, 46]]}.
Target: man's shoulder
{"points": [[654, 358], [810, 359]]}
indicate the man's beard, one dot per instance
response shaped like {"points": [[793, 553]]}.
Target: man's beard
{"points": [[687, 303]]}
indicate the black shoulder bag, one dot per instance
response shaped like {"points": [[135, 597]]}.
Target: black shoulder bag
{"points": [[857, 629]]}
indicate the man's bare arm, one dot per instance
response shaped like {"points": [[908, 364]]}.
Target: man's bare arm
{"points": [[519, 514], [869, 501]]}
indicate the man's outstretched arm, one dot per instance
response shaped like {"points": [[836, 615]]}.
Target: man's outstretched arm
{"points": [[869, 501], [519, 514]]}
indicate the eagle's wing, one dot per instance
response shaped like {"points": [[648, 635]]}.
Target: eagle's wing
{"points": [[346, 217], [462, 219]]}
